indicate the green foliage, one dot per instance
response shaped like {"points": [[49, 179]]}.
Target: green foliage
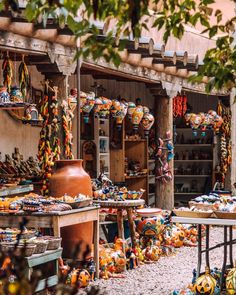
{"points": [[129, 18]]}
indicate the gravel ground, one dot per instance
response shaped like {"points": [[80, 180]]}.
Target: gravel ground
{"points": [[162, 277]]}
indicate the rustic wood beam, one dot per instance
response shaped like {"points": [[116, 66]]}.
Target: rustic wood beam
{"points": [[46, 68]]}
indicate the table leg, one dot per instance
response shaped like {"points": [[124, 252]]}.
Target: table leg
{"points": [[96, 245], [120, 224], [131, 226], [225, 258], [199, 263], [207, 245], [231, 245], [56, 226]]}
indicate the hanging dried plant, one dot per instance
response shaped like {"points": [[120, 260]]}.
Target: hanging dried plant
{"points": [[7, 67], [24, 79]]}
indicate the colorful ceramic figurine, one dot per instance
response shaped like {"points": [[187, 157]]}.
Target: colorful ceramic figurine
{"points": [[120, 115], [131, 108], [87, 105], [206, 284]]}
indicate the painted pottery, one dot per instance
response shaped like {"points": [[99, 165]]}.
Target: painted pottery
{"points": [[4, 95], [115, 107], [205, 284], [70, 178], [152, 253], [147, 227], [120, 115], [147, 122], [87, 106], [16, 94], [131, 108], [137, 117], [231, 281], [31, 113]]}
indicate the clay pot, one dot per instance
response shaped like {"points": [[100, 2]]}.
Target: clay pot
{"points": [[70, 178]]}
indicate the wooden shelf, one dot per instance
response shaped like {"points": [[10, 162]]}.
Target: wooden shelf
{"points": [[194, 144], [189, 194], [20, 189], [135, 140], [135, 176], [103, 137], [180, 161], [191, 175], [104, 154], [13, 106]]}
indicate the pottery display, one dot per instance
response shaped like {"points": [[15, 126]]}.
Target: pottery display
{"points": [[87, 104], [31, 113], [4, 95], [70, 178], [120, 115]]}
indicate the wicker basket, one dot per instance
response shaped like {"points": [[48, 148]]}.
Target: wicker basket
{"points": [[41, 247], [192, 214], [80, 204], [225, 215], [201, 206]]}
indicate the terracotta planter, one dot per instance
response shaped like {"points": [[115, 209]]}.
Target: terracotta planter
{"points": [[70, 178]]}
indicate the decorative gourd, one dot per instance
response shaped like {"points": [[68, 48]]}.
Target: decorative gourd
{"points": [[231, 281], [205, 284], [147, 122], [137, 117]]}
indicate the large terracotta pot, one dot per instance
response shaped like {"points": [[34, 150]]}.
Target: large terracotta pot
{"points": [[70, 178]]}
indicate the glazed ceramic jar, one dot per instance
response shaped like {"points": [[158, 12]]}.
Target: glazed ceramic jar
{"points": [[16, 95], [70, 178]]}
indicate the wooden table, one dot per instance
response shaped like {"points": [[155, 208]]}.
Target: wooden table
{"points": [[37, 260], [56, 220], [228, 239], [127, 205]]}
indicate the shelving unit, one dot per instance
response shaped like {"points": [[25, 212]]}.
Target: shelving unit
{"points": [[193, 164], [20, 189], [132, 150], [151, 183], [101, 139]]}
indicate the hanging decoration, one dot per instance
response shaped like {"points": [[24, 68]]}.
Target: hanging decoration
{"points": [[147, 123], [137, 117], [105, 107], [44, 147], [24, 79], [87, 104], [203, 121], [67, 116], [165, 152], [225, 139], [131, 108], [179, 105], [120, 115], [56, 150], [7, 67]]}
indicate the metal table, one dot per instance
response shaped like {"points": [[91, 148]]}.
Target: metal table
{"points": [[227, 244]]}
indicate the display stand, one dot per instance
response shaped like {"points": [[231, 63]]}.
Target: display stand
{"points": [[57, 220], [41, 261]]}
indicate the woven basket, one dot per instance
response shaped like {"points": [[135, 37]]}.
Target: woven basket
{"points": [[41, 247], [54, 243], [225, 215], [192, 214], [201, 206]]}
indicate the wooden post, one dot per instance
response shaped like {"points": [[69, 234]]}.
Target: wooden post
{"points": [[78, 109], [233, 139], [164, 123]]}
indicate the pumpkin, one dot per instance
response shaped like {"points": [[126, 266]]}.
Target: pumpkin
{"points": [[231, 281], [205, 284]]}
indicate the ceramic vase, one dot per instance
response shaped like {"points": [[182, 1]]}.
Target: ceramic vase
{"points": [[70, 178], [4, 95]]}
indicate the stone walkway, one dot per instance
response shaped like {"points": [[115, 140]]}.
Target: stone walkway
{"points": [[162, 277]]}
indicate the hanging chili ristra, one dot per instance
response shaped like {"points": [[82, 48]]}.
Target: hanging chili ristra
{"points": [[7, 67], [67, 116], [23, 77]]}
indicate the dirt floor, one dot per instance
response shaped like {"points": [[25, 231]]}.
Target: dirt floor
{"points": [[162, 277]]}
